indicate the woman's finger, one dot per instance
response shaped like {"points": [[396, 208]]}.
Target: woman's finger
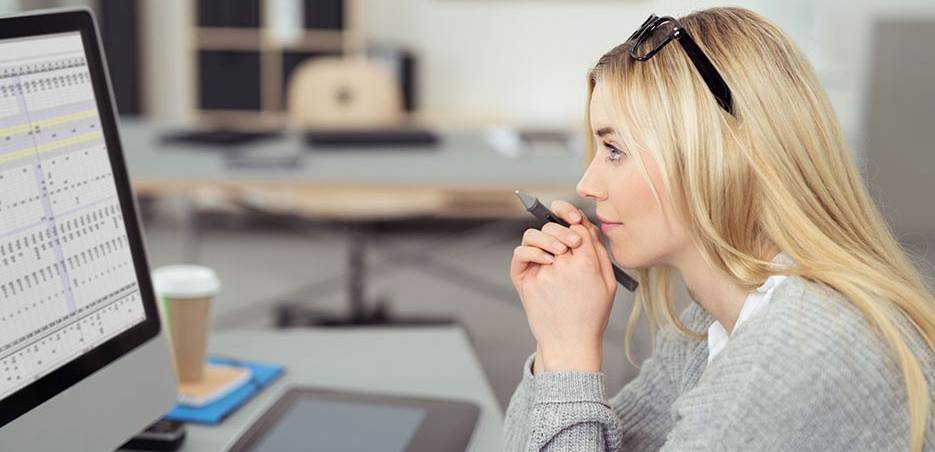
{"points": [[593, 249], [586, 248], [604, 259], [566, 211], [523, 256], [544, 241], [565, 235]]}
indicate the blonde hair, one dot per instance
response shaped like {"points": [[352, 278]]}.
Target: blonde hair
{"points": [[778, 174]]}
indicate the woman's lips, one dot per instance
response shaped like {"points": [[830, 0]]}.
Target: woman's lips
{"points": [[607, 225]]}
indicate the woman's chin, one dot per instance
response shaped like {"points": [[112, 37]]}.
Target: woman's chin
{"points": [[628, 259], [622, 260]]}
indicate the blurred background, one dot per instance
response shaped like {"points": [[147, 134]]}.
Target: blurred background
{"points": [[352, 162]]}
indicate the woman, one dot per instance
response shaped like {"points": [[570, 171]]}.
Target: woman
{"points": [[717, 155]]}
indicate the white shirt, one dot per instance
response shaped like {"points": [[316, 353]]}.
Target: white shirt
{"points": [[756, 301]]}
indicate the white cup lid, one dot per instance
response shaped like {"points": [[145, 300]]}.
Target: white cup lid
{"points": [[186, 281]]}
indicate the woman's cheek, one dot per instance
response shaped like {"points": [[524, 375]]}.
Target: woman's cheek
{"points": [[642, 237]]}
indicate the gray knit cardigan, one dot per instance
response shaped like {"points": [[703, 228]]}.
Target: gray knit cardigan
{"points": [[807, 373]]}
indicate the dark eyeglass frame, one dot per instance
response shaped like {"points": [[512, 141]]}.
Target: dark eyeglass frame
{"points": [[708, 72]]}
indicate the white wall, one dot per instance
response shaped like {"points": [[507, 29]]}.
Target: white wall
{"points": [[525, 61]]}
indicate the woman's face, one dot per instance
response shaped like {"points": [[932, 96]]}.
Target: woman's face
{"points": [[640, 234]]}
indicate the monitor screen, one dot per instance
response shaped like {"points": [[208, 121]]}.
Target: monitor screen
{"points": [[67, 276]]}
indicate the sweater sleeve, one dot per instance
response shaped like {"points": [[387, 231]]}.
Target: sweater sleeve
{"points": [[569, 411], [516, 421], [564, 411]]}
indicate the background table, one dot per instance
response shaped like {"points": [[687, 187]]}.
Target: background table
{"points": [[463, 176]]}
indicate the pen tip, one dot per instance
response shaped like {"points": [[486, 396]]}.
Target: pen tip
{"points": [[527, 200]]}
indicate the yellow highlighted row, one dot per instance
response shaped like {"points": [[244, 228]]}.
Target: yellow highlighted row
{"points": [[28, 152], [23, 128]]}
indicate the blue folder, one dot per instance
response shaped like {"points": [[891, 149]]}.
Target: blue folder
{"points": [[215, 412]]}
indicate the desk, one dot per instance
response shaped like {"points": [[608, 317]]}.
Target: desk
{"points": [[463, 177], [429, 362]]}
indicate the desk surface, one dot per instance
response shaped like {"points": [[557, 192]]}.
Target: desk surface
{"points": [[426, 362], [461, 158]]}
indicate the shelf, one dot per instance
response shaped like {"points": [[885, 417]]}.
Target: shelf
{"points": [[312, 40], [242, 69], [227, 39]]}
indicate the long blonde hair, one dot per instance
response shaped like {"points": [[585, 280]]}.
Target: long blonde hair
{"points": [[778, 174]]}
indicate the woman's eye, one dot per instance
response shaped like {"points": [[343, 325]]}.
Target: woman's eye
{"points": [[614, 154]]}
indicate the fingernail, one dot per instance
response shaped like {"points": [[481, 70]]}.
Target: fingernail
{"points": [[559, 247], [550, 258], [575, 216], [574, 238]]}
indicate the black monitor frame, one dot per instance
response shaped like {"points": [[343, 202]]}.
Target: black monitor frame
{"points": [[66, 376]]}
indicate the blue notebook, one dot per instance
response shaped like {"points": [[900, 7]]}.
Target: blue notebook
{"points": [[214, 412]]}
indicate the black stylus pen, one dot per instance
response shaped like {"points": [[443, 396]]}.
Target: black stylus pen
{"points": [[533, 206]]}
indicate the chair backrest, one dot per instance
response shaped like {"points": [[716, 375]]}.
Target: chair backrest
{"points": [[341, 92]]}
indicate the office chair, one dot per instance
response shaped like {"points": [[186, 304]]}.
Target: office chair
{"points": [[343, 92]]}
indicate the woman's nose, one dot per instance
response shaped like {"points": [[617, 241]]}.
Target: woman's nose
{"points": [[590, 186]]}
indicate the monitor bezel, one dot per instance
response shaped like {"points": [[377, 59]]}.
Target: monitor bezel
{"points": [[59, 380]]}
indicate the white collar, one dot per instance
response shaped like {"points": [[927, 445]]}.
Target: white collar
{"points": [[755, 301]]}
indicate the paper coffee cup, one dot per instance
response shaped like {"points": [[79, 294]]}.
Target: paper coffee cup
{"points": [[186, 292]]}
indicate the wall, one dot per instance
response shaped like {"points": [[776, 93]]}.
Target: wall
{"points": [[525, 61]]}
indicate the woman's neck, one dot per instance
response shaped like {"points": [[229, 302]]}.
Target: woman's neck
{"points": [[711, 288]]}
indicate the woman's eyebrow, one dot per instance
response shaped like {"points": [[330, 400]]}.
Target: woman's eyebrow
{"points": [[604, 131]]}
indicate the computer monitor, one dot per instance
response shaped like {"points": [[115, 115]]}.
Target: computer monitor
{"points": [[83, 362]]}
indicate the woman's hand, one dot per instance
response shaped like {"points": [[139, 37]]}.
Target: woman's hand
{"points": [[567, 288]]}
